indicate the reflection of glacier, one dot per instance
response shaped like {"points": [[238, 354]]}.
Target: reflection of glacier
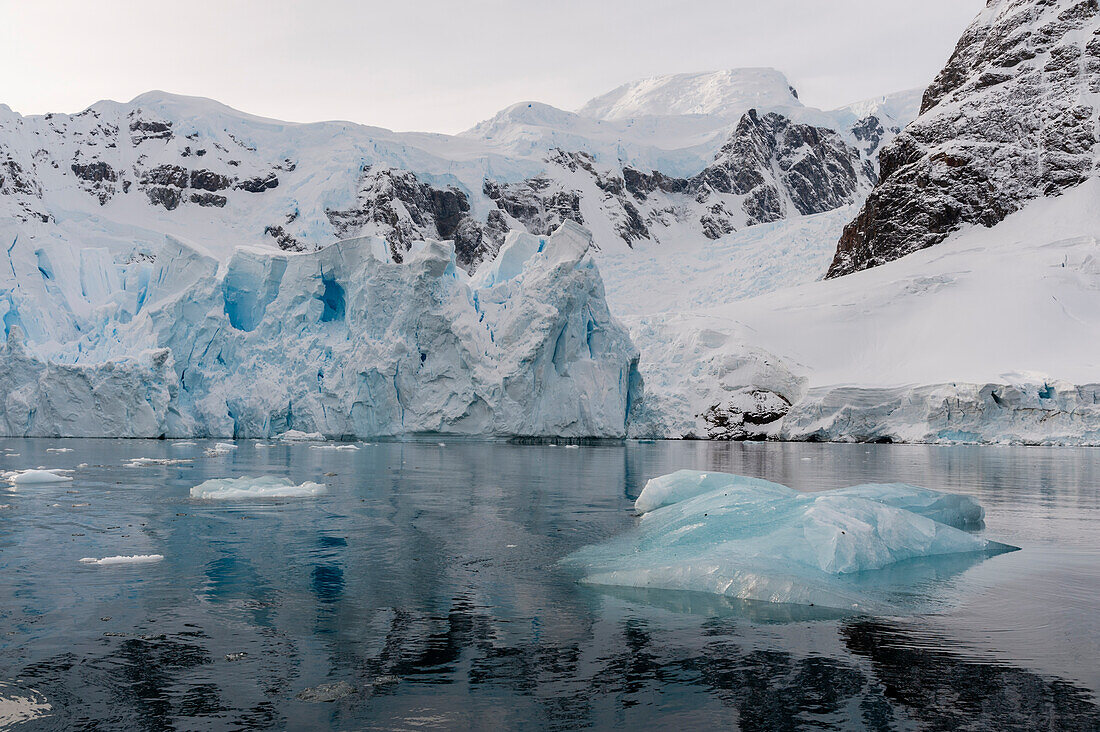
{"points": [[340, 341]]}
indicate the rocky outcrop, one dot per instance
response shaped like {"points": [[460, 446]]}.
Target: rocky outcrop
{"points": [[398, 206], [769, 168], [1012, 117]]}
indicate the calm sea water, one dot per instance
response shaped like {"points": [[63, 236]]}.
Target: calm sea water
{"points": [[423, 590]]}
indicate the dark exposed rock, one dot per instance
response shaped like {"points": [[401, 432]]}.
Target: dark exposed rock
{"points": [[208, 199], [642, 184], [540, 204], [745, 415], [166, 196], [259, 184], [285, 241], [147, 129], [166, 175], [95, 172], [1007, 120], [817, 170], [208, 180], [408, 209], [97, 178]]}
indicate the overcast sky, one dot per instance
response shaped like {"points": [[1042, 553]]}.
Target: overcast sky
{"points": [[442, 65]]}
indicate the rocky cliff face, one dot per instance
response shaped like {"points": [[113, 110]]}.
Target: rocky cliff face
{"points": [[769, 168], [1012, 117]]}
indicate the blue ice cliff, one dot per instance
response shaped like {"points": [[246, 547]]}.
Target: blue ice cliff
{"points": [[341, 341]]}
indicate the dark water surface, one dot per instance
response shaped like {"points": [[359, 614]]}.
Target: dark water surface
{"points": [[425, 582]]}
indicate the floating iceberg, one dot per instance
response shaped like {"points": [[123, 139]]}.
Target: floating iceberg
{"points": [[334, 447], [133, 559], [229, 489], [862, 547], [41, 475], [220, 448], [145, 462]]}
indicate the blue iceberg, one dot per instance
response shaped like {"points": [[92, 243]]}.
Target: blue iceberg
{"points": [[864, 548]]}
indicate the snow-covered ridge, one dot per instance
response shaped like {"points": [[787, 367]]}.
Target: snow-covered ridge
{"points": [[341, 341], [729, 93], [121, 175]]}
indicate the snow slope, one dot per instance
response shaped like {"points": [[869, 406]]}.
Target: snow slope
{"points": [[729, 93], [989, 336]]}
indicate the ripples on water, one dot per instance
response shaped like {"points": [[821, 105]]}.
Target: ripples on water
{"points": [[421, 592]]}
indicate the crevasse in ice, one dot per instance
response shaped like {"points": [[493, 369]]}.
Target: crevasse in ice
{"points": [[865, 547]]}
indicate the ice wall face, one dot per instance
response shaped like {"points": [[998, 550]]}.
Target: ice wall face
{"points": [[1012, 117], [340, 341]]}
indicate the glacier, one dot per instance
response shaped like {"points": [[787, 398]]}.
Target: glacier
{"points": [[861, 548], [339, 342]]}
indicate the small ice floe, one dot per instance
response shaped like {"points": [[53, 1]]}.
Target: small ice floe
{"points": [[144, 462], [59, 449], [268, 486], [183, 443], [299, 436], [38, 475], [132, 559], [442, 444], [326, 692], [4, 505], [82, 465], [20, 705], [265, 444], [574, 447], [334, 447], [220, 448], [236, 656]]}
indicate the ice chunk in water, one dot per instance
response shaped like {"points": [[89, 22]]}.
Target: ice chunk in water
{"points": [[299, 436], [755, 540], [132, 559], [41, 475], [268, 486]]}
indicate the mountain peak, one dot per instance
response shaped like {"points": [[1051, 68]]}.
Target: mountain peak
{"points": [[727, 93]]}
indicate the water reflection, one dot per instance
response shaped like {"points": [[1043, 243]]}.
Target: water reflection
{"points": [[426, 579]]}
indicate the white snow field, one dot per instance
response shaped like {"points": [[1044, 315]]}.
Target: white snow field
{"points": [[235, 489], [848, 548], [987, 337]]}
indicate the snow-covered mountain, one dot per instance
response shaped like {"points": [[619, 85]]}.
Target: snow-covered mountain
{"points": [[123, 175], [1013, 116], [727, 94], [171, 267]]}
